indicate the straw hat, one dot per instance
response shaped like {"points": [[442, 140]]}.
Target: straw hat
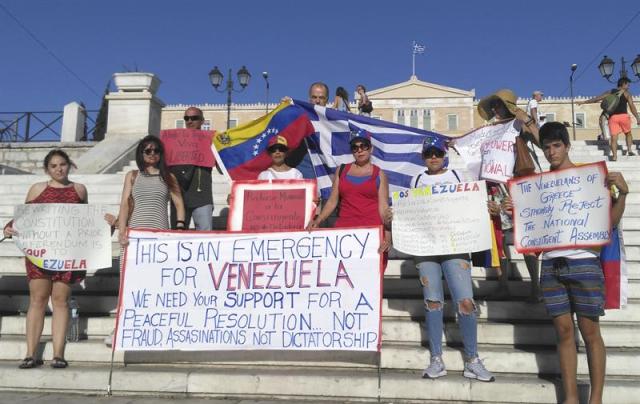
{"points": [[505, 95]]}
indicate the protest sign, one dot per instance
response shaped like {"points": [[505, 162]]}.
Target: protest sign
{"points": [[488, 152], [275, 205], [441, 219], [63, 236], [569, 208], [188, 146], [234, 291]]}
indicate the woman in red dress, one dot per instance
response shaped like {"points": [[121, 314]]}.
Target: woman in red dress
{"points": [[362, 191], [55, 284]]}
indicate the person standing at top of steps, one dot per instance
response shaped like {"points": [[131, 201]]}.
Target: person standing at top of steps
{"points": [[43, 283], [572, 281], [195, 184], [619, 120]]}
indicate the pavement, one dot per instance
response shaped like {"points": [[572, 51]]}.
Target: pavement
{"points": [[7, 397]]}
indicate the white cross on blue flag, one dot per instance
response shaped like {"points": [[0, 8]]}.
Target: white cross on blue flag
{"points": [[397, 149]]}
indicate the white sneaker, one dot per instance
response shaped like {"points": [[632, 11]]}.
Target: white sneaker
{"points": [[435, 369], [474, 369], [108, 340]]}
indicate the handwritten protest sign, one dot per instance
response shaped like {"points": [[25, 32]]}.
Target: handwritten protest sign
{"points": [[63, 237], [188, 146], [441, 219], [488, 151], [567, 208], [231, 291], [271, 205]]}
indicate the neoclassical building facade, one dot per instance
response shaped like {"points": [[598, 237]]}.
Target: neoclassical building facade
{"points": [[416, 103]]}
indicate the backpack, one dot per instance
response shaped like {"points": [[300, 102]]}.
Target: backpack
{"points": [[611, 102], [367, 107]]}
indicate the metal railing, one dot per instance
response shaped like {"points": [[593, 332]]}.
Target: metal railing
{"points": [[40, 126]]}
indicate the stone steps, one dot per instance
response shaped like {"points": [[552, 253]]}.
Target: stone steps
{"points": [[617, 334], [299, 384]]}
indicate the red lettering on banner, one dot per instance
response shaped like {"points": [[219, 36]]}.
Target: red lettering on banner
{"points": [[188, 146]]}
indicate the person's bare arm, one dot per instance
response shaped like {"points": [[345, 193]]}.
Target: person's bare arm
{"points": [[328, 207], [594, 99], [632, 106], [619, 203], [176, 198], [123, 215]]}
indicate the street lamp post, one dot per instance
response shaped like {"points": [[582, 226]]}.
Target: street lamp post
{"points": [[606, 68], [216, 77], [266, 79], [573, 114]]}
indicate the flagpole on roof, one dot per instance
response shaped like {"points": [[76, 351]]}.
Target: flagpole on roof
{"points": [[417, 49]]}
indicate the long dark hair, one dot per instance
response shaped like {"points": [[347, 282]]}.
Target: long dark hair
{"points": [[162, 165], [57, 152]]}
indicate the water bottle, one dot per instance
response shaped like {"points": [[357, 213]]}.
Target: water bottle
{"points": [[73, 334]]}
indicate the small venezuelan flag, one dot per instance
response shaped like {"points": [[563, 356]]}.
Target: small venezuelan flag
{"points": [[243, 150]]}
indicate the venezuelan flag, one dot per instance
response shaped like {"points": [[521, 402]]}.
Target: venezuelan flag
{"points": [[243, 150], [614, 267]]}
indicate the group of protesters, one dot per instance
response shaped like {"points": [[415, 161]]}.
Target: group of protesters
{"points": [[361, 193]]}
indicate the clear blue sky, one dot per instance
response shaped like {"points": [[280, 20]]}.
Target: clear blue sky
{"points": [[482, 45]]}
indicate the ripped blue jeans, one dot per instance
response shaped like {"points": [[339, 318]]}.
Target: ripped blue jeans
{"points": [[457, 272]]}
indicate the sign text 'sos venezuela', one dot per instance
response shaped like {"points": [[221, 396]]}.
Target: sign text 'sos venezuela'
{"points": [[441, 219], [286, 291], [567, 208], [63, 236]]}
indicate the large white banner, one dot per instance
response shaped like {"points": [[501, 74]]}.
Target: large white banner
{"points": [[63, 236], [489, 151], [441, 219], [567, 208], [230, 291]]}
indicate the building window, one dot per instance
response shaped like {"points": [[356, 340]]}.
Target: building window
{"points": [[550, 117], [233, 123], [426, 119], [179, 123], [206, 125], [452, 120], [413, 122], [580, 120], [400, 116]]}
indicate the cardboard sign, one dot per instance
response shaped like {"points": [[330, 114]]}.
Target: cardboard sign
{"points": [[568, 208], [188, 146], [286, 291], [276, 205], [63, 236], [489, 151], [441, 219]]}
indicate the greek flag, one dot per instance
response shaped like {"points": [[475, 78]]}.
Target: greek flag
{"points": [[418, 49], [397, 149]]}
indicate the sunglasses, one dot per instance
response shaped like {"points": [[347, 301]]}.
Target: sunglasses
{"points": [[188, 118], [279, 148], [360, 146], [151, 151], [431, 152]]}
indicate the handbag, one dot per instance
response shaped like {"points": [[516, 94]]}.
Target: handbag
{"points": [[524, 162]]}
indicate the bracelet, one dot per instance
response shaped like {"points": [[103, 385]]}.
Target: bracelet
{"points": [[529, 122], [180, 221]]}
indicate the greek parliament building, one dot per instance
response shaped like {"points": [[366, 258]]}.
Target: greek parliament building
{"points": [[415, 103]]}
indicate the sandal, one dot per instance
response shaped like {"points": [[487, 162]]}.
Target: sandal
{"points": [[631, 153], [30, 363], [59, 363]]}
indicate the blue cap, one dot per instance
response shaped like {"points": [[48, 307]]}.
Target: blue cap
{"points": [[431, 141]]}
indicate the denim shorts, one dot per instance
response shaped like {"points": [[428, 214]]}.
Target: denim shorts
{"points": [[573, 286]]}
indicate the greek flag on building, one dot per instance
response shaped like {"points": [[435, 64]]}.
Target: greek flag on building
{"points": [[397, 149]]}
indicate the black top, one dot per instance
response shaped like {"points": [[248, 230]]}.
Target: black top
{"points": [[195, 184], [622, 105]]}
